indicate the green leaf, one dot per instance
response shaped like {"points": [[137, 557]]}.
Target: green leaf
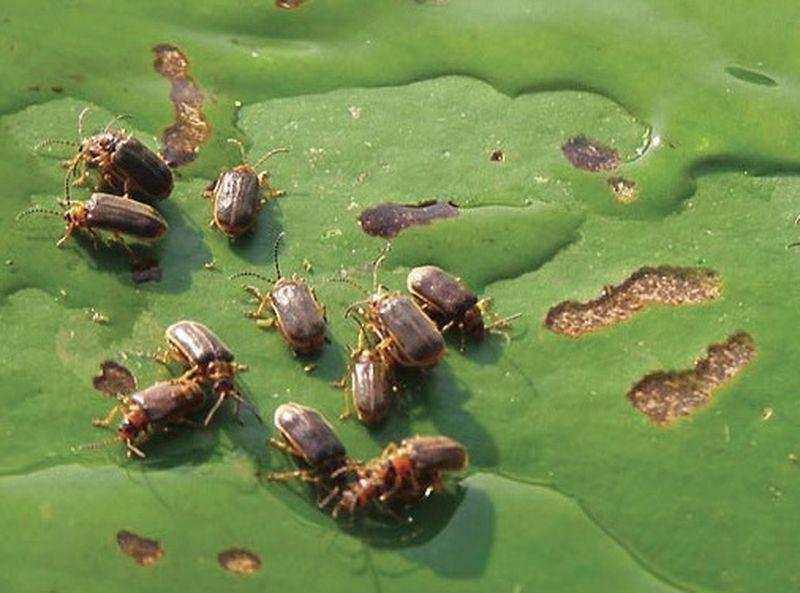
{"points": [[570, 488]]}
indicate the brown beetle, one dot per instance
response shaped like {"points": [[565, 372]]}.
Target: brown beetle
{"points": [[403, 473], [117, 215], [124, 165], [451, 304], [402, 328], [236, 194], [157, 406], [307, 435], [296, 311], [368, 382], [208, 360]]}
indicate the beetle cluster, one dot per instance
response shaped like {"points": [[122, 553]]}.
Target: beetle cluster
{"points": [[402, 473], [207, 363], [130, 178]]}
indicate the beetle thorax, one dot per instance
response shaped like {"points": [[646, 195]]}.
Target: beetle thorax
{"points": [[76, 215], [99, 148], [135, 422]]}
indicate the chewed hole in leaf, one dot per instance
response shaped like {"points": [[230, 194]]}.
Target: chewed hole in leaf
{"points": [[143, 551], [239, 561], [664, 285], [624, 190], [114, 379], [590, 155], [497, 156], [181, 140], [387, 220], [665, 396]]}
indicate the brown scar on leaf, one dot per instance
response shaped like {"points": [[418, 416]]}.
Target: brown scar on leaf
{"points": [[648, 286], [181, 141], [143, 551], [387, 220], [114, 379], [624, 190], [239, 561], [665, 396], [590, 155]]}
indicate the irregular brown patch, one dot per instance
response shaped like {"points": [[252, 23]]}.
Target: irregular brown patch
{"points": [[646, 287], [239, 561], [665, 396], [590, 155], [625, 191], [146, 270], [181, 141], [114, 379], [289, 4], [144, 551], [387, 220]]}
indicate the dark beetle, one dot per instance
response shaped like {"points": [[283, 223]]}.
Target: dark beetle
{"points": [[236, 194], [159, 405], [297, 312], [403, 329], [449, 303], [104, 212], [124, 165], [403, 473], [307, 435], [208, 360], [371, 383]]}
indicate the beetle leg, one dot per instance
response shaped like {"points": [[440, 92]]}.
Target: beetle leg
{"points": [[105, 422], [134, 449], [321, 504], [118, 238], [263, 181], [239, 401], [348, 410], [214, 408], [300, 474], [67, 235], [283, 446], [189, 423]]}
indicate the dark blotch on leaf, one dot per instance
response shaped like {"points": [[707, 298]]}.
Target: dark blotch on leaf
{"points": [[590, 155], [665, 396], [143, 551], [387, 220], [181, 141], [625, 191], [145, 271], [751, 76], [239, 561], [114, 379]]}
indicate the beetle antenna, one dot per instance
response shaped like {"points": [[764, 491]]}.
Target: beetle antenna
{"points": [[254, 274], [278, 240], [350, 281], [269, 155], [238, 143], [115, 119], [82, 115], [376, 266], [68, 177], [37, 210], [52, 141], [95, 445]]}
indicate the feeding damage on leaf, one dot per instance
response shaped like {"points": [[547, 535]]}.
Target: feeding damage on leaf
{"points": [[664, 285], [665, 396], [387, 220], [143, 551]]}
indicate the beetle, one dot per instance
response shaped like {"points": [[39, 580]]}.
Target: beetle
{"points": [[123, 163], [449, 303], [208, 360], [106, 212], [236, 194], [160, 405], [296, 311], [308, 435], [403, 329], [403, 473], [371, 383]]}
